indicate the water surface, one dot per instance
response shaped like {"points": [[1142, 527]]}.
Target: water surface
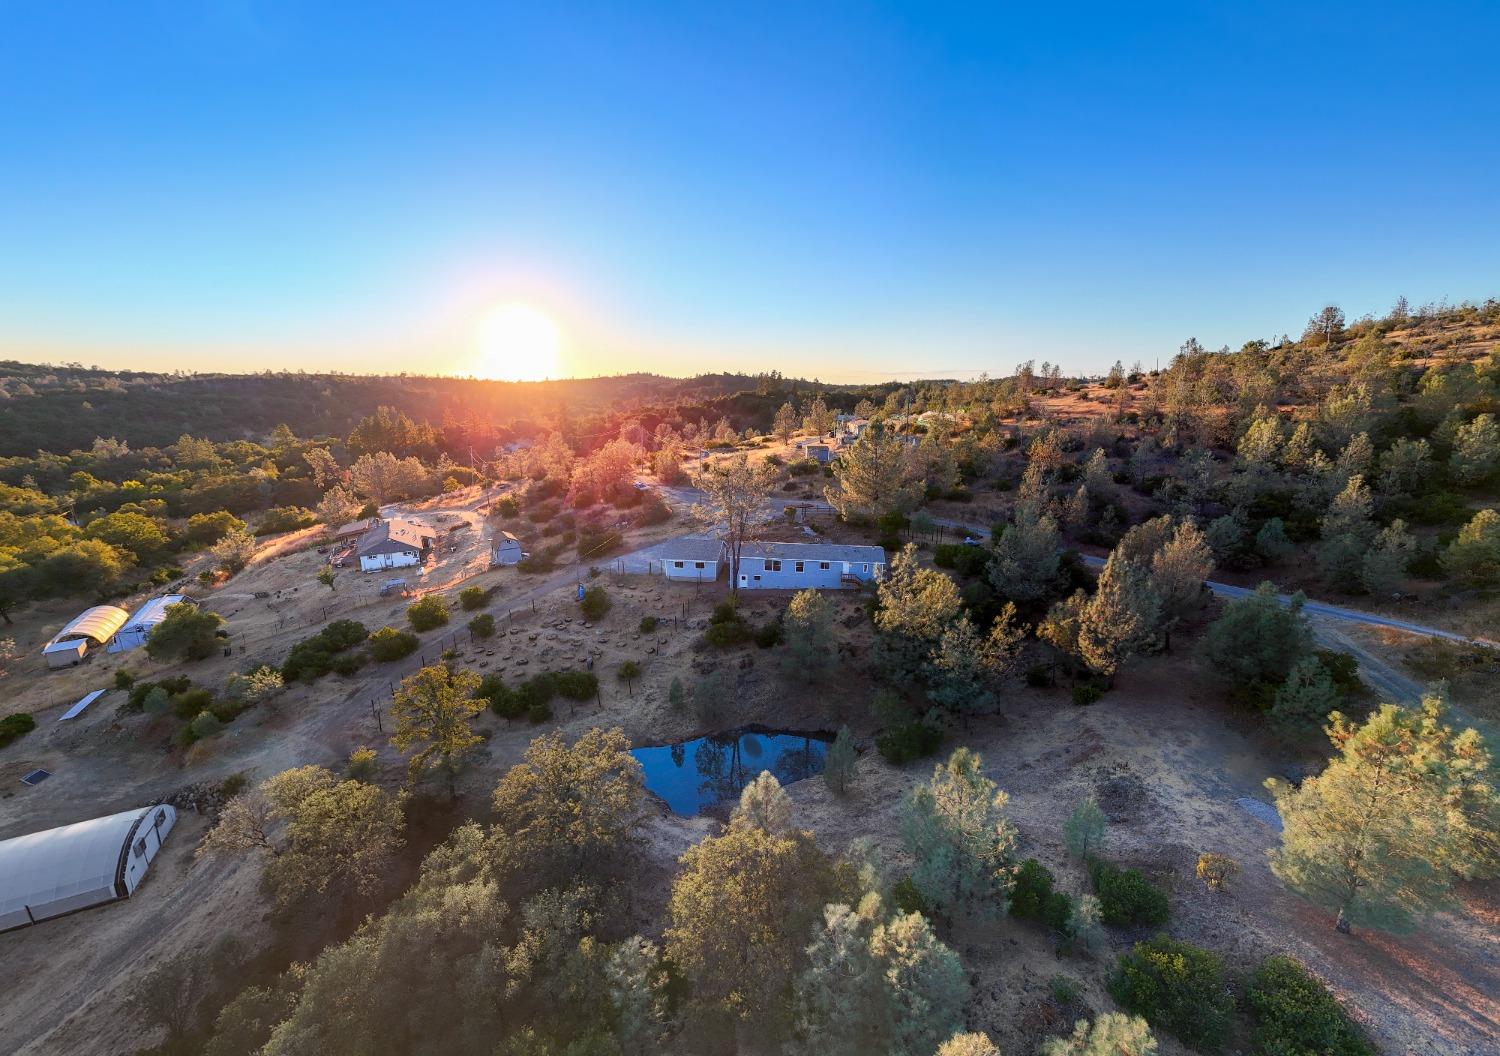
{"points": [[693, 776]]}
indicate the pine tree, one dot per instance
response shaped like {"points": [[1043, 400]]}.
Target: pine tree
{"points": [[840, 762], [636, 980], [1026, 563], [1377, 836], [1180, 568], [1385, 563], [1112, 1034], [785, 423], [1083, 832], [968, 1045], [876, 476], [1347, 529], [878, 986], [1474, 557], [956, 830], [764, 805], [809, 643], [1303, 703], [1476, 450], [1257, 638]]}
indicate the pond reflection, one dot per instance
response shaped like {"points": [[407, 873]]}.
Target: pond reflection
{"points": [[697, 774]]}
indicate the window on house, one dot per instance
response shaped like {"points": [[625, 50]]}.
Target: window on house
{"points": [[823, 565], [799, 566], [757, 579], [676, 564], [140, 847], [773, 566], [697, 564], [867, 568]]}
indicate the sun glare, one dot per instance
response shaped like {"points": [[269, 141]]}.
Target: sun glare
{"points": [[517, 343]]}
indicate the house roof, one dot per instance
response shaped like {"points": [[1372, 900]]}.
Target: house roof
{"points": [[354, 528], [815, 552], [503, 537], [693, 549], [395, 534], [99, 623]]}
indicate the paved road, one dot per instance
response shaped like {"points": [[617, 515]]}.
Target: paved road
{"points": [[1334, 613]]}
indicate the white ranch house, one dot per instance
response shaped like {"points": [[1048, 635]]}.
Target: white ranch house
{"points": [[396, 543], [776, 566]]}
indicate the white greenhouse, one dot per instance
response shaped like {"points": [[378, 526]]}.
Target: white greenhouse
{"points": [[72, 867], [138, 628]]}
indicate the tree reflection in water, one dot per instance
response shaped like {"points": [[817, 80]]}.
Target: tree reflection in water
{"points": [[728, 762]]}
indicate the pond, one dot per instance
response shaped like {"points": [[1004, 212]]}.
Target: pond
{"points": [[693, 776]]}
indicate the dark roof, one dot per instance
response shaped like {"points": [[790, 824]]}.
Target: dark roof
{"points": [[395, 535], [815, 552], [690, 549]]}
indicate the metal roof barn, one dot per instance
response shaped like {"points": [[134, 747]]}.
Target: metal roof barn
{"points": [[138, 627], [72, 867], [98, 623]]}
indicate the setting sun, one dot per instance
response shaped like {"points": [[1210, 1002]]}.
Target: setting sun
{"points": [[515, 342]]}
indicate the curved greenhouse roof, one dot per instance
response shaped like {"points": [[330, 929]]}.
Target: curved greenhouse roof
{"points": [[46, 874], [99, 623]]}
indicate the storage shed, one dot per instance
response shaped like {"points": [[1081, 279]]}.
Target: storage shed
{"points": [[506, 549], [62, 870], [138, 628], [65, 654]]}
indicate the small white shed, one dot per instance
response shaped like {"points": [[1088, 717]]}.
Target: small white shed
{"points": [[72, 867], [506, 549], [65, 654]]}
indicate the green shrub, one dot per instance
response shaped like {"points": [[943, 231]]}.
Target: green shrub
{"points": [[285, 519], [963, 559], [361, 764], [427, 614], [312, 657], [648, 624], [653, 511], [471, 598], [595, 603], [1178, 988], [769, 635], [915, 740], [506, 507], [538, 713], [347, 664], [541, 561], [723, 635], [190, 702], [388, 644], [1032, 896], [538, 689], [14, 727], [482, 626], [1294, 1013], [1088, 692], [1039, 676], [906, 898], [576, 685], [124, 679], [1126, 897], [206, 724], [596, 542], [233, 785], [504, 701]]}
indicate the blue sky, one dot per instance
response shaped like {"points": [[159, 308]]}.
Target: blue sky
{"points": [[852, 191]]}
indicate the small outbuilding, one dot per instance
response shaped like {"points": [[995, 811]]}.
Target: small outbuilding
{"points": [[65, 654], [72, 867], [396, 543], [138, 628], [505, 550], [692, 560]]}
